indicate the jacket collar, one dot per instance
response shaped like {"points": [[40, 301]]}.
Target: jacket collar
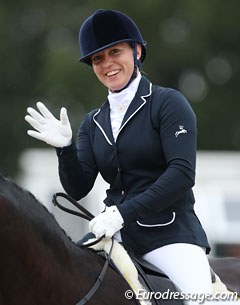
{"points": [[102, 116]]}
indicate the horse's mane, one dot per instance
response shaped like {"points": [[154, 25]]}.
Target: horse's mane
{"points": [[33, 213]]}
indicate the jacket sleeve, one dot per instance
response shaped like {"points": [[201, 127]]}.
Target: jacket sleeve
{"points": [[76, 163], [177, 132]]}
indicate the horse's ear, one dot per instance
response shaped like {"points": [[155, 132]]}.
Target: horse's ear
{"points": [[1, 176], [2, 179]]}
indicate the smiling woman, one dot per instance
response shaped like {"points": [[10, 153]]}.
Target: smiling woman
{"points": [[142, 140], [114, 66]]}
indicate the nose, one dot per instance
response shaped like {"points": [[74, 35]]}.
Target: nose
{"points": [[107, 62]]}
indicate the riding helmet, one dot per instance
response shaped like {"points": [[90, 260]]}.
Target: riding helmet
{"points": [[105, 28]]}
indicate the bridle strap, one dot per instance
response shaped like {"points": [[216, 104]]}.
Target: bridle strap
{"points": [[88, 216], [85, 213], [99, 280]]}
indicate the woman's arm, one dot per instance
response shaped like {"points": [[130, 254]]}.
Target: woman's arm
{"points": [[76, 164]]}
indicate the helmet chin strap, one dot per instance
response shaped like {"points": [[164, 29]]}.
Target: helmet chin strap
{"points": [[137, 64]]}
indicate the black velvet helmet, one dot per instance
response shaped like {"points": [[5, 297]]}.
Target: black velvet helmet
{"points": [[105, 28]]}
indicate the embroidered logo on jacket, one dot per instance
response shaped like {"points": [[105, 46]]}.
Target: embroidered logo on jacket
{"points": [[181, 130]]}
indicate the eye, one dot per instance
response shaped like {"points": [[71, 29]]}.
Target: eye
{"points": [[115, 51], [96, 58]]}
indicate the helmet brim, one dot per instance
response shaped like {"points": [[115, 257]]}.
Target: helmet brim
{"points": [[87, 58]]}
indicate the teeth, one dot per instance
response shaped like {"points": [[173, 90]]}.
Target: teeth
{"points": [[112, 73]]}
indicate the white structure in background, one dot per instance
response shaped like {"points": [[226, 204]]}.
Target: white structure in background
{"points": [[39, 175], [216, 191], [217, 194]]}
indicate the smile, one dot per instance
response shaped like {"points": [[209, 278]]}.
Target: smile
{"points": [[111, 73]]}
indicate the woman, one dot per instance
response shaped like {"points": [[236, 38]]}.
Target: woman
{"points": [[142, 140]]}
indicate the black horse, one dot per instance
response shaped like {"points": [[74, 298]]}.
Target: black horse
{"points": [[41, 265]]}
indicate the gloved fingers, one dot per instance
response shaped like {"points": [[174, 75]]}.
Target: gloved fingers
{"points": [[92, 224], [36, 135], [100, 229], [34, 123], [64, 117], [36, 115], [108, 233], [96, 226], [98, 232], [44, 111]]}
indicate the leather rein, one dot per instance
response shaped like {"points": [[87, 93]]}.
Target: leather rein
{"points": [[88, 216]]}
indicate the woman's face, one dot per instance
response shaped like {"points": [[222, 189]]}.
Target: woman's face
{"points": [[114, 66]]}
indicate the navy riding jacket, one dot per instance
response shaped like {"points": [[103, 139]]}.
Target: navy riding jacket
{"points": [[150, 168]]}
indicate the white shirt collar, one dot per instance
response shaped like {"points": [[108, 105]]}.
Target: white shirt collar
{"points": [[119, 103], [125, 96]]}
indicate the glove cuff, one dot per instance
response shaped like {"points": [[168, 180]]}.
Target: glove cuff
{"points": [[113, 209]]}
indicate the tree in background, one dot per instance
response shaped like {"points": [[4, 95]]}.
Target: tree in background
{"points": [[193, 46]]}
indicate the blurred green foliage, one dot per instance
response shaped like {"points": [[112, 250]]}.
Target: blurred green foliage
{"points": [[192, 45]]}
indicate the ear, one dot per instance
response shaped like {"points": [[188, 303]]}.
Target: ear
{"points": [[139, 51]]}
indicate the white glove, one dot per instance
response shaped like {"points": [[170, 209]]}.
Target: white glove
{"points": [[49, 129], [107, 223]]}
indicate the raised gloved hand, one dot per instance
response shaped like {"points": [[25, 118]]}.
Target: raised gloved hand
{"points": [[57, 133], [107, 223]]}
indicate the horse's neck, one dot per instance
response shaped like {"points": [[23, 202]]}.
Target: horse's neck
{"points": [[34, 267], [37, 273], [39, 264], [34, 274]]}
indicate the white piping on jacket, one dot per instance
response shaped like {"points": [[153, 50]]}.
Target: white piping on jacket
{"points": [[144, 102], [103, 132], [99, 126], [159, 224]]}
